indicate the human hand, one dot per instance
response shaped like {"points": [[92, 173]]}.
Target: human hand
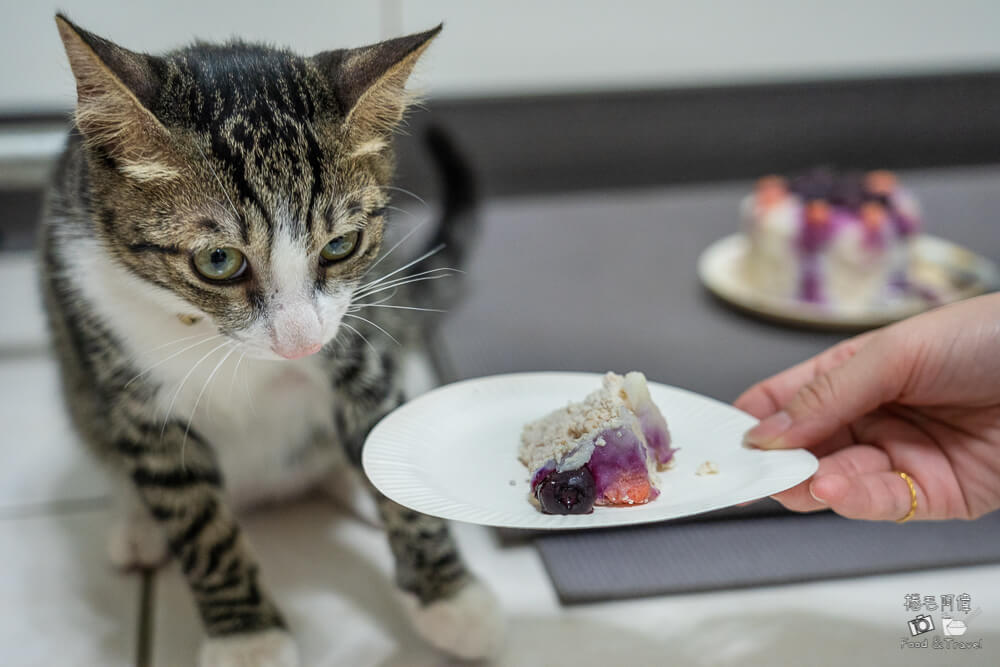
{"points": [[921, 396]]}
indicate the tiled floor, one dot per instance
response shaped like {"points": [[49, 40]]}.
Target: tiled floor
{"points": [[43, 463], [63, 605]]}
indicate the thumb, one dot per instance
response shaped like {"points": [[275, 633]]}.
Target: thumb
{"points": [[870, 378]]}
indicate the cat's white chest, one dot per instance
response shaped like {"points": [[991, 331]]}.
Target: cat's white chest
{"points": [[270, 423]]}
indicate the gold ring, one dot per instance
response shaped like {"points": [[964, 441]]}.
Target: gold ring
{"points": [[913, 497]]}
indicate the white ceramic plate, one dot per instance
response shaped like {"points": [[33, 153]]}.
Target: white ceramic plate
{"points": [[452, 453], [951, 271]]}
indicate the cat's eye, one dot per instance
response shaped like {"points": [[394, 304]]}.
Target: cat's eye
{"points": [[220, 263], [340, 248]]}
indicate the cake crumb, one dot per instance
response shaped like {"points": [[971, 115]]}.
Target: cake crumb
{"points": [[707, 468]]}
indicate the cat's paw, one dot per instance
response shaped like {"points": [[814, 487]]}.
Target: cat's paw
{"points": [[137, 542], [271, 648], [468, 625]]}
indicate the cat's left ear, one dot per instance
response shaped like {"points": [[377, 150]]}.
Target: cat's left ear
{"points": [[369, 83], [115, 87]]}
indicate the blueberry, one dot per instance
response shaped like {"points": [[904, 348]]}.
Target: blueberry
{"points": [[567, 492]]}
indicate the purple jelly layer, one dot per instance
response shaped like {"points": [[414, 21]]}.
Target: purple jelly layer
{"points": [[654, 427], [622, 455]]}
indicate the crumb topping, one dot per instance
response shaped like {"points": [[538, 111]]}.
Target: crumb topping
{"points": [[557, 435]]}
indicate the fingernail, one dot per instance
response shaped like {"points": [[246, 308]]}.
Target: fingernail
{"points": [[766, 433], [812, 492]]}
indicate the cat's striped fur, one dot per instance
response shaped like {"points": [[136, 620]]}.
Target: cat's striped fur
{"points": [[252, 147]]}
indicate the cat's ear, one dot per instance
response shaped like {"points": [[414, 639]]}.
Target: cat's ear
{"points": [[114, 87], [370, 82]]}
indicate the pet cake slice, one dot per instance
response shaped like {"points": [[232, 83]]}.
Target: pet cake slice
{"points": [[604, 450]]}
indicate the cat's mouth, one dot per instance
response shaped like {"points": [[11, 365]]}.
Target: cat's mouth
{"points": [[298, 352], [268, 352], [267, 345]]}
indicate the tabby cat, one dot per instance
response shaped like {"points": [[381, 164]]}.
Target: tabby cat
{"points": [[217, 218]]}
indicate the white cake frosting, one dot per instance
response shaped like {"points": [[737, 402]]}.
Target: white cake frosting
{"points": [[846, 249]]}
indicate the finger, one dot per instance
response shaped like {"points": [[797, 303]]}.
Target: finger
{"points": [[872, 376], [798, 499], [908, 438], [876, 496], [767, 397], [848, 462]]}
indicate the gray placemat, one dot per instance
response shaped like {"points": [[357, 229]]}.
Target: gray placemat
{"points": [[659, 559]]}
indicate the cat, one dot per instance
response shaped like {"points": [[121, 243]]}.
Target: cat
{"points": [[217, 217]]}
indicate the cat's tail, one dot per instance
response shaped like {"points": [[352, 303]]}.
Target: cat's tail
{"points": [[457, 228]]}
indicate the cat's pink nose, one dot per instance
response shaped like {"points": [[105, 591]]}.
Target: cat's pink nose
{"points": [[298, 352], [296, 331]]}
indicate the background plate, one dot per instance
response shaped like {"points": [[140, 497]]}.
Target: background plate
{"points": [[952, 271], [452, 453]]}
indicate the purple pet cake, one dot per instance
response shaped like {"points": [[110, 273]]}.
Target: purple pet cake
{"points": [[604, 450], [842, 242]]}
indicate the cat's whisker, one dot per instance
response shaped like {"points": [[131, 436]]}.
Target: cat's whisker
{"points": [[246, 384], [382, 300], [165, 360], [233, 347], [353, 194], [212, 401], [396, 286], [236, 369], [380, 305], [401, 210], [378, 283], [433, 251], [389, 187], [172, 342], [360, 335], [170, 408], [358, 317], [405, 192], [396, 282], [402, 282], [397, 244]]}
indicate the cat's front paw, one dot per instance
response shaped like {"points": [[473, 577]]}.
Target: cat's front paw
{"points": [[137, 542], [271, 648], [468, 625]]}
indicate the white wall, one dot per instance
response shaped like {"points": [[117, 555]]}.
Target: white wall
{"points": [[514, 46], [33, 68], [526, 45]]}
